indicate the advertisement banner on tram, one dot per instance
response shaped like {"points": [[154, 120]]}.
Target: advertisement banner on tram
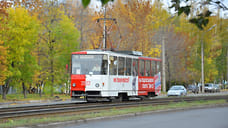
{"points": [[157, 80]]}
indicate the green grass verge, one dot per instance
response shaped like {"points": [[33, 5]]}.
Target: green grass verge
{"points": [[104, 113], [20, 97]]}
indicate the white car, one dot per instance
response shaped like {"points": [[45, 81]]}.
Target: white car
{"points": [[177, 90]]}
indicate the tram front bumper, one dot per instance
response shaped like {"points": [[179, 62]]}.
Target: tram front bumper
{"points": [[86, 94]]}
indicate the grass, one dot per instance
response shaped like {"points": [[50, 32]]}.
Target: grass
{"points": [[104, 113], [20, 97]]}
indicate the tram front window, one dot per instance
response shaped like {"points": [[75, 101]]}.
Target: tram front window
{"points": [[89, 64]]}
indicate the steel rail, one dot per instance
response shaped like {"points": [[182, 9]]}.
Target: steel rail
{"points": [[14, 112]]}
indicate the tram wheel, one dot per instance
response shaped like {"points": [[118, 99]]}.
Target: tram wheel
{"points": [[123, 97]]}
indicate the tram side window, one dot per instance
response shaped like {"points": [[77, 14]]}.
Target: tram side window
{"points": [[156, 69], [113, 65], [121, 66], [128, 66], [135, 67], [153, 67], [147, 68], [141, 68], [75, 65], [158, 66], [104, 66]]}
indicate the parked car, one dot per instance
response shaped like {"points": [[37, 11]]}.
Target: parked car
{"points": [[193, 88], [209, 87], [177, 90], [217, 88]]}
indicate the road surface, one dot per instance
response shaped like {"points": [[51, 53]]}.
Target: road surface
{"points": [[196, 118]]}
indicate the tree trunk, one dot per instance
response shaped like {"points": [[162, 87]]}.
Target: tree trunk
{"points": [[5, 89], [24, 89], [52, 77], [51, 49], [168, 70], [40, 87]]}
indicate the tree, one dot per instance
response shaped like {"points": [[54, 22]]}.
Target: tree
{"points": [[3, 49], [21, 34], [83, 19], [59, 38], [137, 22], [3, 64], [185, 6], [66, 39], [222, 51]]}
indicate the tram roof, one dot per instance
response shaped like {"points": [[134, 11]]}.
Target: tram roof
{"points": [[134, 54]]}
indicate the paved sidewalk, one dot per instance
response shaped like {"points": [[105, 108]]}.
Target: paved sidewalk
{"points": [[34, 103]]}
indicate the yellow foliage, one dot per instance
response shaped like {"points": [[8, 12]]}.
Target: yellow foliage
{"points": [[155, 52], [3, 64]]}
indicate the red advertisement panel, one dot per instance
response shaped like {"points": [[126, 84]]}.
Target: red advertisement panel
{"points": [[145, 85]]}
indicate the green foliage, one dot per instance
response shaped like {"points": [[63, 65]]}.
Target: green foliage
{"points": [[20, 37], [199, 22], [85, 3], [221, 60], [28, 68], [59, 39], [185, 9], [67, 43], [29, 45]]}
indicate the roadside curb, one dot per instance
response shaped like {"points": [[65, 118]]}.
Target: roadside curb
{"points": [[81, 121], [30, 103]]}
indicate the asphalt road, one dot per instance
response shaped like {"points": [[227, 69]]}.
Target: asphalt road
{"points": [[197, 118]]}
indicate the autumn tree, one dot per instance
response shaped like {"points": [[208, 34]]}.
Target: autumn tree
{"points": [[188, 7], [83, 19], [59, 38], [134, 26], [3, 64], [19, 38], [3, 54], [222, 51]]}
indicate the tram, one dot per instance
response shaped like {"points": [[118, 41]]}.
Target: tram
{"points": [[110, 75]]}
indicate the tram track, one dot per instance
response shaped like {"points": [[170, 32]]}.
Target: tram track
{"points": [[23, 111]]}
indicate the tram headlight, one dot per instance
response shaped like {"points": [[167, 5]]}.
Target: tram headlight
{"points": [[74, 84], [97, 85]]}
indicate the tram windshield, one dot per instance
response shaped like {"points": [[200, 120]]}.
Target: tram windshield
{"points": [[89, 64]]}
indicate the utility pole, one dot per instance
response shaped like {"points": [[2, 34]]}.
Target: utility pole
{"points": [[104, 30], [202, 65], [163, 56], [163, 64], [104, 27]]}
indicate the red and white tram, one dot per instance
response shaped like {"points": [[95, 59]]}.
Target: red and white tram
{"points": [[114, 75]]}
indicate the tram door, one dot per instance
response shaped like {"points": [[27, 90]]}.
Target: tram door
{"points": [[112, 83]]}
